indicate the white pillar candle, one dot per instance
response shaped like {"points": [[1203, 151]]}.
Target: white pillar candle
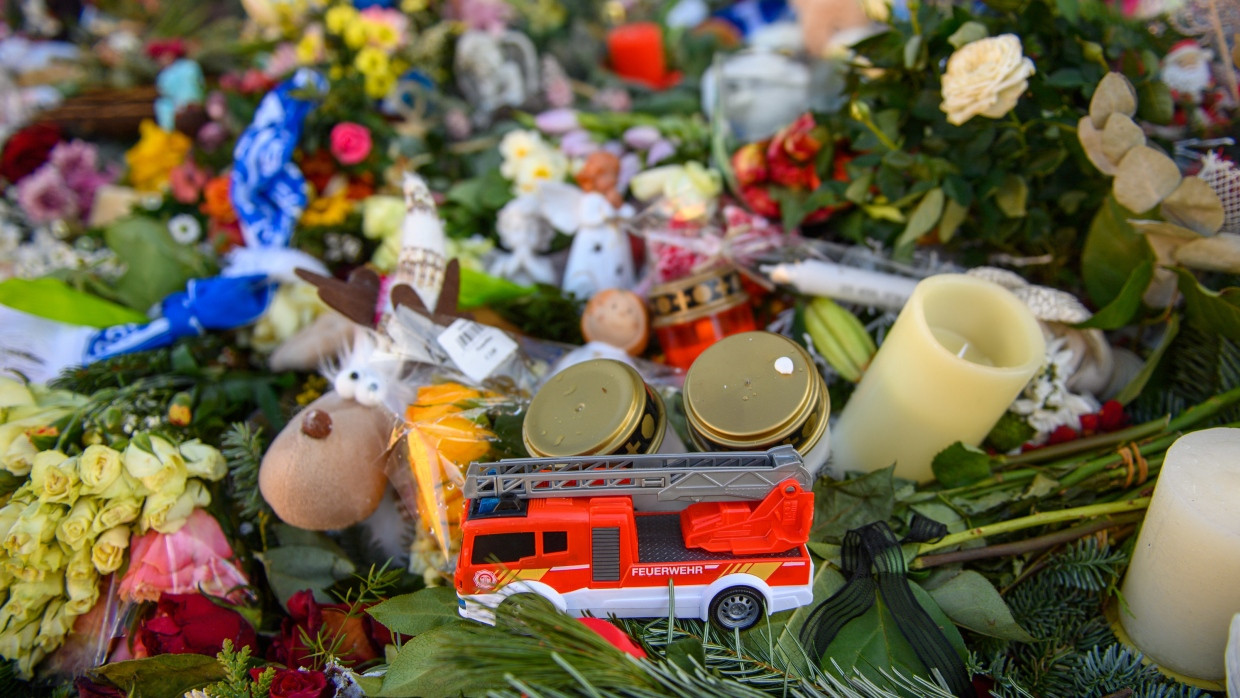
{"points": [[961, 350], [815, 277], [1183, 585]]}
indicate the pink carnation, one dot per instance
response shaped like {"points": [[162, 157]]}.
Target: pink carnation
{"points": [[194, 559], [74, 157], [186, 181], [46, 197], [350, 142]]}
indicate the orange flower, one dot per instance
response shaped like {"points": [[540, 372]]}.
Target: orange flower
{"points": [[217, 203]]}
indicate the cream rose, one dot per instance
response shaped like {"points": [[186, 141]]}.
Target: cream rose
{"points": [[985, 77], [115, 512], [161, 470], [36, 526], [98, 467], [81, 579], [54, 477], [109, 550], [55, 625], [19, 456], [204, 461], [74, 530], [167, 513]]}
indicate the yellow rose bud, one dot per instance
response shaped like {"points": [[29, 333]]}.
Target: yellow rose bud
{"points": [[54, 478], [81, 579], [115, 512], [19, 456], [9, 514], [162, 469], [108, 552], [26, 601], [17, 641], [35, 526], [74, 530], [55, 625], [204, 461], [167, 514], [49, 558], [98, 468]]}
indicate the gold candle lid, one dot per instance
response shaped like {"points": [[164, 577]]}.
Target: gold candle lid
{"points": [[755, 389], [599, 406], [697, 296]]}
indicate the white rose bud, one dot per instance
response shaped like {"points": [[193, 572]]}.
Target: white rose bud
{"points": [[985, 77], [204, 461]]}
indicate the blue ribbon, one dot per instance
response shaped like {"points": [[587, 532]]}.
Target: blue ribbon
{"points": [[219, 303], [268, 191]]}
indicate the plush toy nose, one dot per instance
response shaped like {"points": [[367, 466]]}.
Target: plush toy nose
{"points": [[317, 425]]}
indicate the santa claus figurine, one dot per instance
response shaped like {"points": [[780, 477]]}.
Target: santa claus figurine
{"points": [[1186, 70]]}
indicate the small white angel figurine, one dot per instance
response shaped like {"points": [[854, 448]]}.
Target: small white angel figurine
{"points": [[525, 233], [600, 256]]}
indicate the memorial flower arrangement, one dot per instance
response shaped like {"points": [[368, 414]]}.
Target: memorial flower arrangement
{"points": [[142, 549]]}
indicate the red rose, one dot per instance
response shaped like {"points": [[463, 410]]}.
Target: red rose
{"points": [[363, 637], [798, 140], [170, 49], [792, 175], [89, 689], [27, 150], [759, 200], [749, 164], [350, 142], [294, 683], [193, 624]]}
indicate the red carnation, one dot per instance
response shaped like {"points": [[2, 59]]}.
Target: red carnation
{"points": [[27, 150]]}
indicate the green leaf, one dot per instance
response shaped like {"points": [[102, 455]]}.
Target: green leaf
{"points": [[1121, 311], [924, 217], [416, 613], [686, 653], [914, 54], [953, 215], [1219, 311], [858, 190], [968, 33], [972, 602], [162, 675], [292, 568], [842, 505], [959, 465], [479, 288], [417, 669], [1113, 250], [1138, 382], [56, 300], [1013, 196], [1154, 102], [873, 643], [1070, 9], [155, 265]]}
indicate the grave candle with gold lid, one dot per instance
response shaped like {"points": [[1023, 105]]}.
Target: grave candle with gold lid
{"points": [[692, 313]]}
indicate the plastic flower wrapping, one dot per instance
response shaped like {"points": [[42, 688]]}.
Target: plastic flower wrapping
{"points": [[348, 348]]}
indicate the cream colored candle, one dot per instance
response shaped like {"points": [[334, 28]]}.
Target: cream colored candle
{"points": [[1183, 585], [961, 350]]}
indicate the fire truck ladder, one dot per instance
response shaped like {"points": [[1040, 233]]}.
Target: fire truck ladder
{"points": [[728, 476]]}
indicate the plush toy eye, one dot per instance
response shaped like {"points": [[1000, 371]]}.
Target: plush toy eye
{"points": [[346, 384], [370, 393]]}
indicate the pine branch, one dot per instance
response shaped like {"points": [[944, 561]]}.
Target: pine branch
{"points": [[1086, 565], [1100, 672], [243, 448]]}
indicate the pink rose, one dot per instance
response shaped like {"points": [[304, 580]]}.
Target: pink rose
{"points": [[196, 558], [350, 142]]}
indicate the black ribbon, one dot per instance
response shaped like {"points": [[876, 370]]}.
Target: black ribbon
{"points": [[873, 562]]}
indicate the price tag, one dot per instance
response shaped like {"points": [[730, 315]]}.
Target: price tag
{"points": [[476, 349]]}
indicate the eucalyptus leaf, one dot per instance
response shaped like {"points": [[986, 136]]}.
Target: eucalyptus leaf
{"points": [[416, 613], [1121, 311], [972, 602], [162, 675], [924, 217], [1113, 249], [1134, 387], [1013, 196], [1157, 105], [292, 568], [417, 669], [960, 464], [842, 505], [954, 215], [1120, 135], [1219, 253], [1206, 308], [1145, 177], [968, 33], [1091, 142], [1195, 205], [1114, 94]]}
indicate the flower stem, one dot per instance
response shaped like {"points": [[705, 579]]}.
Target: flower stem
{"points": [[1089, 443], [1039, 519], [1022, 546]]}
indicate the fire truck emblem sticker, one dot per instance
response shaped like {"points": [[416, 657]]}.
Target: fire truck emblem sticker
{"points": [[484, 579]]}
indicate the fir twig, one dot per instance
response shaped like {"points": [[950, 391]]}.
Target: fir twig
{"points": [[243, 448]]}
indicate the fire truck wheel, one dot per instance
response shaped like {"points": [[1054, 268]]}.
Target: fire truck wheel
{"points": [[736, 608]]}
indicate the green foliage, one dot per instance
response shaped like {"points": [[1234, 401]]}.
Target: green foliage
{"points": [[162, 675], [1086, 565], [960, 464], [237, 682], [972, 602], [416, 613], [1100, 672], [243, 448], [365, 590], [1011, 431], [840, 506], [1199, 364], [548, 313], [304, 560], [156, 265]]}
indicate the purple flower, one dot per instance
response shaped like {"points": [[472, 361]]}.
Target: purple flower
{"points": [[456, 121], [556, 121], [630, 165], [212, 135], [614, 147], [613, 99], [45, 197], [484, 15], [577, 144], [641, 137], [661, 150], [217, 105], [74, 157], [84, 184]]}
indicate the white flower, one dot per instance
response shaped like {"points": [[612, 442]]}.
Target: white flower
{"points": [[985, 77], [545, 165], [185, 229], [1047, 403], [516, 147]]}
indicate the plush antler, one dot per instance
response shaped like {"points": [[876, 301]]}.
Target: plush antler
{"points": [[356, 298]]}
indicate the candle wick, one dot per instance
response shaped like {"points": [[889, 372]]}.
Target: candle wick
{"points": [[963, 349]]}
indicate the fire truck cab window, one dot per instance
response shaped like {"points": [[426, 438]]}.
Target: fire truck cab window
{"points": [[504, 547], [555, 542]]}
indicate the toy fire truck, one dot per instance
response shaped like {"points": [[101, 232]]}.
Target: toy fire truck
{"points": [[606, 535]]}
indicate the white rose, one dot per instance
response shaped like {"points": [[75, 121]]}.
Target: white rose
{"points": [[985, 77]]}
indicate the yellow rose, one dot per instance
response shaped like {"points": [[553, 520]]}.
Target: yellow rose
{"points": [[355, 36], [81, 580], [74, 530], [310, 48], [26, 601], [56, 624], [17, 641], [124, 487], [295, 306], [9, 514], [54, 478], [98, 467], [204, 461], [156, 155], [167, 514], [108, 553], [19, 456], [47, 558], [985, 77], [115, 512], [36, 526], [378, 85], [160, 470]]}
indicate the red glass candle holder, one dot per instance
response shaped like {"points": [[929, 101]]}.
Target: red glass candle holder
{"points": [[692, 313]]}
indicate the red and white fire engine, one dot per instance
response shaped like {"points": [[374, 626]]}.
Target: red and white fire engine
{"points": [[609, 535]]}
